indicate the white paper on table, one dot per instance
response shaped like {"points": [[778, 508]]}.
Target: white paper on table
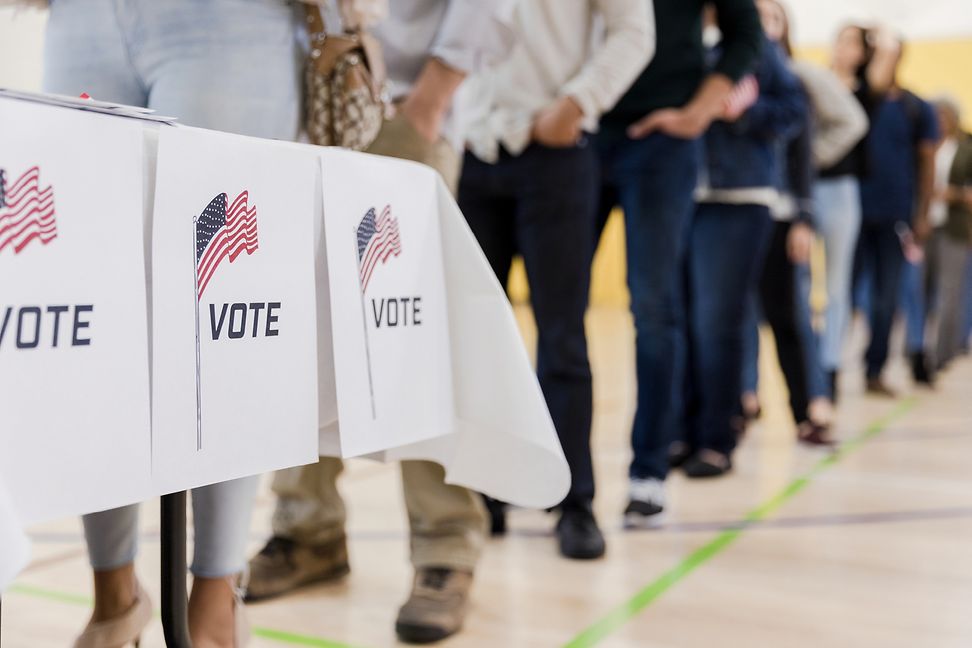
{"points": [[75, 414], [505, 443], [15, 553], [389, 319], [91, 105], [257, 398]]}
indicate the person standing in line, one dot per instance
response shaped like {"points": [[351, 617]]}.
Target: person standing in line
{"points": [[649, 152], [835, 123], [729, 234], [895, 197], [529, 185], [864, 61], [952, 245], [165, 56], [429, 47]]}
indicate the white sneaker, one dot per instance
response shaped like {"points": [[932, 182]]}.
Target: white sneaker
{"points": [[646, 504]]}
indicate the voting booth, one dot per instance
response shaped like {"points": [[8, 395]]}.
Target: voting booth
{"points": [[180, 307]]}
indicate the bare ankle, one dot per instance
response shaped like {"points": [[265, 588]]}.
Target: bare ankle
{"points": [[115, 592], [212, 613]]}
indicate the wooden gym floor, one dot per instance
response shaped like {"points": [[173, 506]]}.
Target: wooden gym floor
{"points": [[872, 547]]}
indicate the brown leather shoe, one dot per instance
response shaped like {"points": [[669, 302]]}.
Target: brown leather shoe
{"points": [[284, 565], [877, 387], [437, 606]]}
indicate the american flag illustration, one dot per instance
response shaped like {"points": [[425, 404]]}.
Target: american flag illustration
{"points": [[743, 95], [26, 211], [223, 233], [378, 241]]}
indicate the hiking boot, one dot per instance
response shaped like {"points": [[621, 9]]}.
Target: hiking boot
{"points": [[437, 606], [284, 565]]}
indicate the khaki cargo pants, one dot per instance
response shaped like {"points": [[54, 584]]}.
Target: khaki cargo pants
{"points": [[448, 523]]}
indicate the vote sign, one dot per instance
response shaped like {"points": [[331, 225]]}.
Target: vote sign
{"points": [[388, 324], [74, 366], [234, 309]]}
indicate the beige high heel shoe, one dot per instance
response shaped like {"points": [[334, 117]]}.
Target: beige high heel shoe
{"points": [[120, 631]]}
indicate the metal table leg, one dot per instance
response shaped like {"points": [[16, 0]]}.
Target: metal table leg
{"points": [[175, 603]]}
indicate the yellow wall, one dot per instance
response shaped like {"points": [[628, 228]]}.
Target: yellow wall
{"points": [[929, 68]]}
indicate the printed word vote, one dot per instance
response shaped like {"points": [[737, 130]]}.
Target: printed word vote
{"points": [[242, 320], [401, 311], [27, 327]]}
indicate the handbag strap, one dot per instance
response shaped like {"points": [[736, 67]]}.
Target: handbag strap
{"points": [[316, 29], [316, 26]]}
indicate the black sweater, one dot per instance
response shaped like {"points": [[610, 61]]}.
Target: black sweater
{"points": [[678, 68]]}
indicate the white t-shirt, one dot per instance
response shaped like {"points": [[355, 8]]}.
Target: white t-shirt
{"points": [[943, 166]]}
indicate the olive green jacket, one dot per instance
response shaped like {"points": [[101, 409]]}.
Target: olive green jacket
{"points": [[959, 222]]}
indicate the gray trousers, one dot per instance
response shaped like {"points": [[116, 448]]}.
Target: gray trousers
{"points": [[948, 259]]}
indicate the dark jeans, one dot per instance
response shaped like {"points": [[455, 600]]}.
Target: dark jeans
{"points": [[652, 180], [780, 298], [541, 204], [726, 250], [880, 260]]}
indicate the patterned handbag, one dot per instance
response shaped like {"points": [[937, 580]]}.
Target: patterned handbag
{"points": [[344, 85]]}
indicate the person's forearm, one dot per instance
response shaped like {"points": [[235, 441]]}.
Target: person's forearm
{"points": [[710, 99], [926, 181], [435, 86]]}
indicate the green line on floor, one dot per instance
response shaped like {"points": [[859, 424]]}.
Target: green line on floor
{"points": [[265, 633], [297, 640], [620, 615], [51, 595]]}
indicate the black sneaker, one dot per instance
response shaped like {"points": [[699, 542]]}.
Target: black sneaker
{"points": [[707, 464], [579, 536], [497, 516], [646, 504], [920, 370]]}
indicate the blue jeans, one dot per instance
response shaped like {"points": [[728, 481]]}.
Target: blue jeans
{"points": [[838, 215], [750, 364], [726, 251], [653, 181], [915, 304], [817, 385], [230, 65], [540, 204], [879, 261]]}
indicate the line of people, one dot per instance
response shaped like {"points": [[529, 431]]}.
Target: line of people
{"points": [[727, 158]]}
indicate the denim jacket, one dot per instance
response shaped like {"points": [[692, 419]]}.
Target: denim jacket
{"points": [[748, 153]]}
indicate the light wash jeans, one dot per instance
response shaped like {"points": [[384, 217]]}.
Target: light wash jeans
{"points": [[230, 65], [914, 303], [838, 215]]}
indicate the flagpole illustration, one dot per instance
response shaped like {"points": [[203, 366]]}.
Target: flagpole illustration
{"points": [[364, 323], [195, 272]]}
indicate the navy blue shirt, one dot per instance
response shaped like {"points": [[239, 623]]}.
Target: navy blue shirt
{"points": [[899, 126]]}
